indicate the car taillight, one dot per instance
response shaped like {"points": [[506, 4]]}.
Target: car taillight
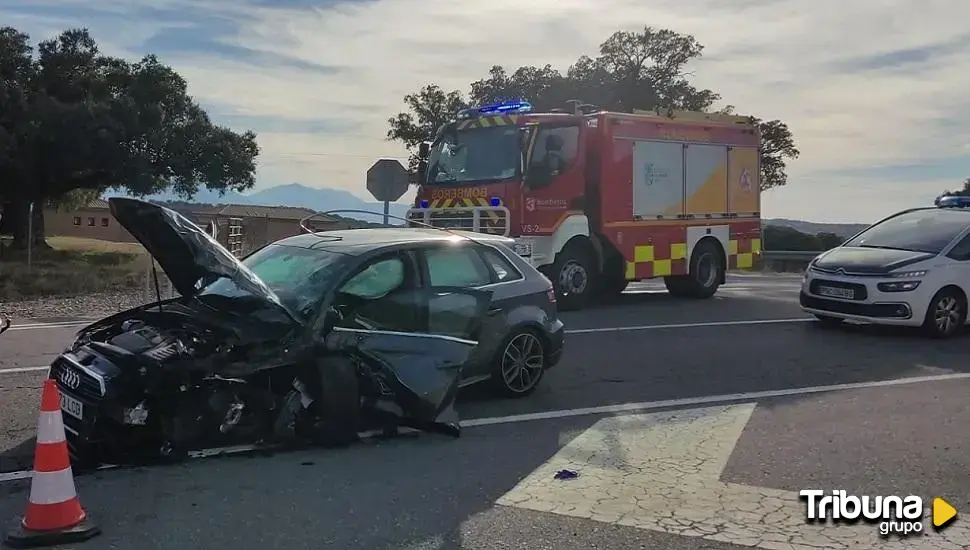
{"points": [[552, 295]]}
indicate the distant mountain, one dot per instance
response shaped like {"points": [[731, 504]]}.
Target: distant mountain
{"points": [[204, 196], [322, 199], [844, 230], [293, 194]]}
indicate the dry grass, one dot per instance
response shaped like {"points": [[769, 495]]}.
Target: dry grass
{"points": [[74, 266]]}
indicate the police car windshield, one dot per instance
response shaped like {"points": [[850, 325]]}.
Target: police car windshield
{"points": [[929, 230], [477, 154]]}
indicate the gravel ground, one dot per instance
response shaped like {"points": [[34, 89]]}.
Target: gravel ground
{"points": [[92, 305]]}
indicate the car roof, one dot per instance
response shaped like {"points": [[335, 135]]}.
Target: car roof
{"points": [[359, 241]]}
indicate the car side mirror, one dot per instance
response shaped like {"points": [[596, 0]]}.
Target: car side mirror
{"points": [[424, 149], [331, 319]]}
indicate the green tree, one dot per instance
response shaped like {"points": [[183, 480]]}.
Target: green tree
{"points": [[76, 122], [634, 70], [428, 109], [962, 192]]}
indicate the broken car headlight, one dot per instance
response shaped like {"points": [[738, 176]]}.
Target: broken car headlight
{"points": [[135, 416]]}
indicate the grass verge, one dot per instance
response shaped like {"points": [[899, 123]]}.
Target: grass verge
{"points": [[73, 266]]}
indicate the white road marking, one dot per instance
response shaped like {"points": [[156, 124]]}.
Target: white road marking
{"points": [[41, 326], [661, 472], [14, 370], [652, 405], [691, 325], [707, 400]]}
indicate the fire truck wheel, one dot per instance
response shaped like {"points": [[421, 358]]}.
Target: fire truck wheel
{"points": [[706, 270], [571, 276]]}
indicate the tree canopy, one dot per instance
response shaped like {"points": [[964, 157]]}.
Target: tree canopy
{"points": [[634, 70], [76, 122], [963, 191]]}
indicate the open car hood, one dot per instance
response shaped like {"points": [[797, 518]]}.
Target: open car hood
{"points": [[189, 256]]}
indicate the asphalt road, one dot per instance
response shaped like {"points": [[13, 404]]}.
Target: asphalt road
{"points": [[701, 472]]}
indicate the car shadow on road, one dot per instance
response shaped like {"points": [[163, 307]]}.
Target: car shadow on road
{"points": [[18, 457]]}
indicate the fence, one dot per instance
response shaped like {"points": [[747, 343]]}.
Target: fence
{"points": [[787, 260]]}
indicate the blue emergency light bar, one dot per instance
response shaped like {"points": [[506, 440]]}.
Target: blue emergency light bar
{"points": [[954, 201], [497, 109]]}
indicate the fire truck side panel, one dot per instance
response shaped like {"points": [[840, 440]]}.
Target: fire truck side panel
{"points": [[744, 171], [706, 181], [667, 185]]}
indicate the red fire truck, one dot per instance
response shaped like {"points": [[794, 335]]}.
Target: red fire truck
{"points": [[598, 199]]}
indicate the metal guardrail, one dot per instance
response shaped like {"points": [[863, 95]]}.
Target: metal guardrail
{"points": [[792, 255]]}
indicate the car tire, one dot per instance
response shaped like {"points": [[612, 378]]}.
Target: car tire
{"points": [[704, 276], [571, 270], [829, 322], [946, 313], [523, 349]]}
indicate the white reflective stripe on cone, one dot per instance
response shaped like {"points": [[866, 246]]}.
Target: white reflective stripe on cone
{"points": [[52, 487], [50, 427]]}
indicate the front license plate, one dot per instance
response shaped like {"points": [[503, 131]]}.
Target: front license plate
{"points": [[834, 292], [72, 406]]}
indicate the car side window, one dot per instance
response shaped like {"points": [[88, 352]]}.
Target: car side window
{"points": [[961, 251], [376, 280], [458, 266], [502, 268], [380, 297]]}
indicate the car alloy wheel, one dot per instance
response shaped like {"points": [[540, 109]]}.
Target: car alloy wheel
{"points": [[947, 314], [523, 361]]}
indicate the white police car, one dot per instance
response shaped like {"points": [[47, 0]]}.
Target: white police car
{"points": [[910, 269]]}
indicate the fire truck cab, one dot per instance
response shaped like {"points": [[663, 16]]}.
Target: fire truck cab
{"points": [[597, 199]]}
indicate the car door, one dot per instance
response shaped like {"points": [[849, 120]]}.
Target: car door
{"points": [[410, 341], [470, 266], [958, 271]]}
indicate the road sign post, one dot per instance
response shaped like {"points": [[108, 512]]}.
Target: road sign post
{"points": [[387, 181]]}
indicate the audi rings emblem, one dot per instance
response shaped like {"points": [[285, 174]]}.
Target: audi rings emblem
{"points": [[69, 378]]}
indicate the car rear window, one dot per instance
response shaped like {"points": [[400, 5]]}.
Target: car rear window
{"points": [[501, 266]]}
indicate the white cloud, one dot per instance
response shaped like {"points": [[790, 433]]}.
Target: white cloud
{"points": [[787, 59]]}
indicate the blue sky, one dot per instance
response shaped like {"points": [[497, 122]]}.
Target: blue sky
{"points": [[874, 90]]}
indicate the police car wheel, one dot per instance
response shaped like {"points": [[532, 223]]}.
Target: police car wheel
{"points": [[946, 313]]}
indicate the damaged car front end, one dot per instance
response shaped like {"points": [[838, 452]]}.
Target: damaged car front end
{"points": [[253, 353]]}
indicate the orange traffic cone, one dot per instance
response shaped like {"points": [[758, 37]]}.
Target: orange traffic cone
{"points": [[54, 513]]}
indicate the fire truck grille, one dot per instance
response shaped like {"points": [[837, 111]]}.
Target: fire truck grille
{"points": [[493, 221]]}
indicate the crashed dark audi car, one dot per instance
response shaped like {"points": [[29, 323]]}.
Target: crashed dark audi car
{"points": [[317, 349]]}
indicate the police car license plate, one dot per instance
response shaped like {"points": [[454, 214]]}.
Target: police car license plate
{"points": [[835, 292], [72, 406]]}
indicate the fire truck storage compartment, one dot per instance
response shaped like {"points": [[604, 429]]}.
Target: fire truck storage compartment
{"points": [[676, 180], [658, 179], [706, 180]]}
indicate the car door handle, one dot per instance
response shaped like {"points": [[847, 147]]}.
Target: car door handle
{"points": [[494, 311]]}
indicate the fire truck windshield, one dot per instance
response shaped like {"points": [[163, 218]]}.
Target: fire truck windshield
{"points": [[475, 154]]}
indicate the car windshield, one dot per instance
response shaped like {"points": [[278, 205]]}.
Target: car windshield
{"points": [[298, 276], [920, 231], [476, 154]]}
